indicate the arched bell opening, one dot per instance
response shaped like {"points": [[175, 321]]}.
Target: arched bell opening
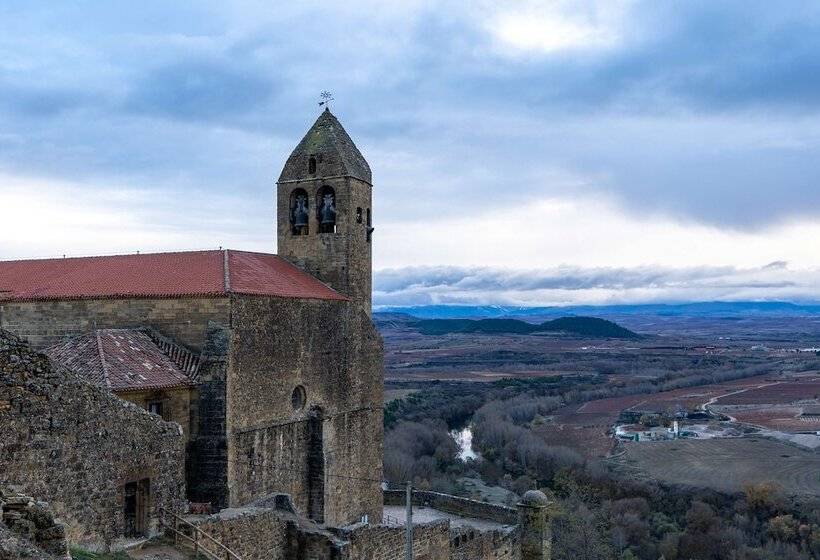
{"points": [[326, 209], [299, 212]]}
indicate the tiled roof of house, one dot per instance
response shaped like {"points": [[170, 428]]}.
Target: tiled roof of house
{"points": [[184, 274], [120, 359]]}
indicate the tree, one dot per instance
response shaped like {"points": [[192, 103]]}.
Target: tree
{"points": [[783, 528]]}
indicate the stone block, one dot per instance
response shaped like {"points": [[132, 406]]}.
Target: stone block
{"points": [[50, 533], [24, 528], [19, 502]]}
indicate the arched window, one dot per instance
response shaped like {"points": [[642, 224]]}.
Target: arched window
{"points": [[298, 398], [326, 209], [299, 212], [312, 165], [359, 215]]}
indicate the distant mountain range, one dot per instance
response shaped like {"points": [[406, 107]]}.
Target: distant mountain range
{"points": [[581, 326], [704, 309]]}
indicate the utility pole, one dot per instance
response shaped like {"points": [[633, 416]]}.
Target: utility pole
{"points": [[408, 545]]}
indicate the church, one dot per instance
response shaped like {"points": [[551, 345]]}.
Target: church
{"points": [[269, 363]]}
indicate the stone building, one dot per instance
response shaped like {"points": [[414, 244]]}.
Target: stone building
{"points": [[138, 366], [287, 391], [269, 369], [105, 466]]}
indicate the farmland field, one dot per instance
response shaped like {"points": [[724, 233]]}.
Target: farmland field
{"points": [[777, 393], [725, 464], [584, 426]]}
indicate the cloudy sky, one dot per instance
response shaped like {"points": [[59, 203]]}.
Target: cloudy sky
{"points": [[540, 152]]}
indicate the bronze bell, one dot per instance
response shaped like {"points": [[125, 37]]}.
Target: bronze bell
{"points": [[300, 213], [327, 214]]}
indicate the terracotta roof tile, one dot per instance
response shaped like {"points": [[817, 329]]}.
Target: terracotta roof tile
{"points": [[193, 273], [120, 359]]}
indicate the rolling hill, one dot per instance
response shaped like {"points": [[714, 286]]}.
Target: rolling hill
{"points": [[580, 326]]}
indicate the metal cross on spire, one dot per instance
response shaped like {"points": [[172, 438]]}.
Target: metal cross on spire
{"points": [[327, 97]]}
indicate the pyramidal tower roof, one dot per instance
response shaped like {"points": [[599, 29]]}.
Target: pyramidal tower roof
{"points": [[334, 151]]}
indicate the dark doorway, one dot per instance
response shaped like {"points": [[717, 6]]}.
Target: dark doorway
{"points": [[316, 467], [135, 507]]}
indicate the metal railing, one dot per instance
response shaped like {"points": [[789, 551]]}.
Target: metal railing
{"points": [[196, 538], [390, 520]]}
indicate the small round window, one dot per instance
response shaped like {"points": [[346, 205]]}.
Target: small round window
{"points": [[298, 398]]}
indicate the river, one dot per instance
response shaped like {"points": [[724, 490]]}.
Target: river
{"points": [[464, 439]]}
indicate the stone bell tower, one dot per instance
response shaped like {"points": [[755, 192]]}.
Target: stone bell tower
{"points": [[325, 222]]}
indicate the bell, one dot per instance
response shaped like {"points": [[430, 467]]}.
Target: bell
{"points": [[300, 214], [327, 215]]}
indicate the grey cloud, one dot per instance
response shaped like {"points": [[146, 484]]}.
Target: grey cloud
{"points": [[201, 89], [486, 286], [706, 110]]}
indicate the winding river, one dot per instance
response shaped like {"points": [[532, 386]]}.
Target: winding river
{"points": [[464, 439]]}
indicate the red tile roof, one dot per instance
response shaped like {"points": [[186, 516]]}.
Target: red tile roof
{"points": [[193, 273], [120, 359]]}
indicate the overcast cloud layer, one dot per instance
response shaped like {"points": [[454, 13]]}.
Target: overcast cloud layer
{"points": [[617, 150]]}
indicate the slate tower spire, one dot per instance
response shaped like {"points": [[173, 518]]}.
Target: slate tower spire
{"points": [[324, 210]]}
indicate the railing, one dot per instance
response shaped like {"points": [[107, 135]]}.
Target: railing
{"points": [[199, 536], [390, 520]]}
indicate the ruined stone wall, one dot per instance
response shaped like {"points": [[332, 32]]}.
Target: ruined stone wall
{"points": [[331, 351], [76, 445], [185, 320], [28, 529]]}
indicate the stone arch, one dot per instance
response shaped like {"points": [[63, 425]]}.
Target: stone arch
{"points": [[326, 209], [299, 212]]}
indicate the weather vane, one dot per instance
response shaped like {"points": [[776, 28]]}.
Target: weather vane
{"points": [[327, 97]]}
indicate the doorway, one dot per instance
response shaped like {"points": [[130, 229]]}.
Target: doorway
{"points": [[135, 507]]}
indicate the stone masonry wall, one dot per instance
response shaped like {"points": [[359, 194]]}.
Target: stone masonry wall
{"points": [[331, 351], [431, 541], [35, 531], [185, 320], [76, 445], [342, 259], [176, 405], [468, 544], [199, 324], [266, 533], [270, 528], [463, 507], [252, 533], [208, 453]]}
